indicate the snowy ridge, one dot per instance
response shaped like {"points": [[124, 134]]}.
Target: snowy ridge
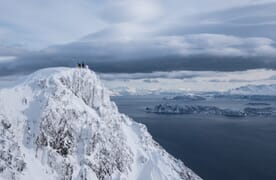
{"points": [[60, 124]]}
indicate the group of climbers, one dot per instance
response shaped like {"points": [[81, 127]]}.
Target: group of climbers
{"points": [[82, 65]]}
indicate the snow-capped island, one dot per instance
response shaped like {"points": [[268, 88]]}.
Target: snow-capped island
{"points": [[167, 108], [59, 124], [193, 109]]}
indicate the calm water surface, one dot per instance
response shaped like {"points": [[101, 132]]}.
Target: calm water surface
{"points": [[215, 147]]}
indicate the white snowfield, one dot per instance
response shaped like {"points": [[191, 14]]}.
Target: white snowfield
{"points": [[59, 124]]}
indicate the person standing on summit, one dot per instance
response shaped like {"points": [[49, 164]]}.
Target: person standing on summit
{"points": [[82, 65]]}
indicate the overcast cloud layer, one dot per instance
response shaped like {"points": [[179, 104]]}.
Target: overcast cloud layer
{"points": [[138, 36]]}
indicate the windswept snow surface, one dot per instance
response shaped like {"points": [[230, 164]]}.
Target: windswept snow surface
{"points": [[60, 124]]}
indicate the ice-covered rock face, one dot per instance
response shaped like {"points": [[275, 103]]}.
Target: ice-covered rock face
{"points": [[61, 124]]}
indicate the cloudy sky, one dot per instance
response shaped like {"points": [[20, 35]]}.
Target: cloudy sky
{"points": [[129, 36]]}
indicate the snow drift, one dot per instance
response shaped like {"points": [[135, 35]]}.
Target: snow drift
{"points": [[60, 124]]}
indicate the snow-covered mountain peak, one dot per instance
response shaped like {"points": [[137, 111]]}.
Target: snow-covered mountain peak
{"points": [[82, 82], [263, 89], [60, 124]]}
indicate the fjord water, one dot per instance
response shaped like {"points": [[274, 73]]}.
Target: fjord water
{"points": [[215, 147]]}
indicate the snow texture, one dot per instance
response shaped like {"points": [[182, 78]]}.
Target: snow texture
{"points": [[59, 124]]}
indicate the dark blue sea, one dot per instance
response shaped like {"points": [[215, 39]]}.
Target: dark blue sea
{"points": [[214, 147]]}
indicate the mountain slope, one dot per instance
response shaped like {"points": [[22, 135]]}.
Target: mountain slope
{"points": [[255, 90], [60, 124]]}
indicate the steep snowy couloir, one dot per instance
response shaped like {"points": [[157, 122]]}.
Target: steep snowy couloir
{"points": [[59, 124]]}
